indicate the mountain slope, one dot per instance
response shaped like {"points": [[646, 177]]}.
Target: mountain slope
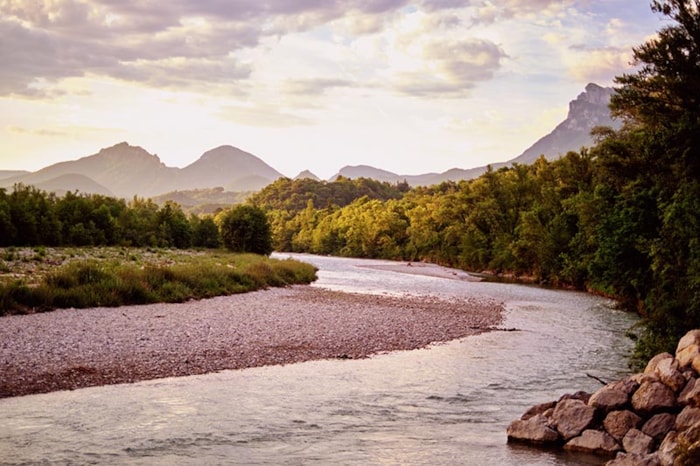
{"points": [[229, 167], [123, 169]]}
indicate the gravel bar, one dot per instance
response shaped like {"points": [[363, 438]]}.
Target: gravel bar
{"points": [[72, 348]]}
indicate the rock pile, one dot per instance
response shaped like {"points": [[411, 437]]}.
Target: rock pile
{"points": [[651, 418]]}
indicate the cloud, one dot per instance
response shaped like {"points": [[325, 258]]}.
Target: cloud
{"points": [[600, 65], [262, 115], [314, 87], [451, 68]]}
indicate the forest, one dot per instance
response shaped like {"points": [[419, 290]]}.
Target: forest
{"points": [[621, 218]]}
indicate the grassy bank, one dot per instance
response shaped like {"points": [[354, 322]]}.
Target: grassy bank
{"points": [[42, 279]]}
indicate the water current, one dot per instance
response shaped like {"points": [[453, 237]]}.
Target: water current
{"points": [[444, 405]]}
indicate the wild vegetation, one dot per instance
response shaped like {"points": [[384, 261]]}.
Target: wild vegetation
{"points": [[42, 278], [621, 218]]}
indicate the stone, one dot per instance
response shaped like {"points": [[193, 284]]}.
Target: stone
{"points": [[686, 418], [618, 423], [669, 372], [686, 355], [690, 395], [659, 425], [595, 442], [538, 409], [571, 417], [534, 430], [652, 397], [634, 459], [695, 364], [627, 385], [580, 395], [690, 338], [609, 398], [636, 441], [689, 445], [653, 362], [667, 449]]}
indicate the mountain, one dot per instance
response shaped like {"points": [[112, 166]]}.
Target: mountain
{"points": [[5, 174], [73, 182], [307, 174], [230, 167], [122, 169], [588, 110]]}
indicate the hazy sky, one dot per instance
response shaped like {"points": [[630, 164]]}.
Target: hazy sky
{"points": [[406, 86]]}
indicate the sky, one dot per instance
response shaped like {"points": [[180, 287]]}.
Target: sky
{"points": [[407, 86]]}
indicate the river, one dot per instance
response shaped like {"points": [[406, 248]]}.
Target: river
{"points": [[444, 405]]}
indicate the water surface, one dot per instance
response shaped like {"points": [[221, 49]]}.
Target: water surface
{"points": [[448, 404]]}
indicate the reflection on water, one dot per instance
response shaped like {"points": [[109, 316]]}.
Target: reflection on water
{"points": [[449, 404]]}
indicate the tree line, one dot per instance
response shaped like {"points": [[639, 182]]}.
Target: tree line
{"points": [[32, 217], [621, 218]]}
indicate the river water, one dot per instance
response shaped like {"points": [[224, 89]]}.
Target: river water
{"points": [[448, 404]]}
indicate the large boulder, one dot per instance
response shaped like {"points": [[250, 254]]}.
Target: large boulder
{"points": [[654, 362], [689, 339], [687, 418], [534, 430], [541, 408], [595, 442], [636, 441], [652, 397], [633, 459], [609, 398], [659, 425], [691, 393], [571, 417], [618, 423], [669, 372]]}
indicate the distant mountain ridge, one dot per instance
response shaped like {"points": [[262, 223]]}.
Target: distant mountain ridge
{"points": [[125, 171]]}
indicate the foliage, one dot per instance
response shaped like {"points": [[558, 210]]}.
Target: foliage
{"points": [[172, 278], [245, 228]]}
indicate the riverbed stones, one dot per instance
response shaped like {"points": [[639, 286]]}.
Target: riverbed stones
{"points": [[595, 442], [571, 417], [636, 441], [609, 398], [652, 397], [534, 430], [618, 423], [650, 418]]}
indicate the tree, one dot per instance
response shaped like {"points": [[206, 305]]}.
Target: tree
{"points": [[245, 228]]}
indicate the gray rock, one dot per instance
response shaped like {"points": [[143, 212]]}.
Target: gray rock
{"points": [[690, 338], [571, 417], [659, 425], [686, 418], [669, 372], [636, 441], [652, 397], [534, 430], [653, 362], [618, 423], [595, 442], [633, 459], [609, 398], [691, 393], [666, 451], [538, 409]]}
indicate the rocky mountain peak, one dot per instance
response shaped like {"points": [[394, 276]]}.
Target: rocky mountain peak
{"points": [[590, 109]]}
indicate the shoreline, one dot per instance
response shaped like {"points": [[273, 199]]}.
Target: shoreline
{"points": [[67, 349]]}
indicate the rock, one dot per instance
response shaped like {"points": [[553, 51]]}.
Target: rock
{"points": [[690, 338], [688, 450], [571, 417], [580, 395], [652, 397], [686, 355], [636, 441], [538, 409], [609, 398], [532, 430], [627, 385], [686, 418], [669, 372], [660, 425], [595, 442], [653, 362], [634, 459], [666, 451], [618, 423], [691, 393]]}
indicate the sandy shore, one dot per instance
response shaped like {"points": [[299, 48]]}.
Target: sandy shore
{"points": [[70, 348]]}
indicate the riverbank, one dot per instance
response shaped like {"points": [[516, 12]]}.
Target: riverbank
{"points": [[73, 348]]}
